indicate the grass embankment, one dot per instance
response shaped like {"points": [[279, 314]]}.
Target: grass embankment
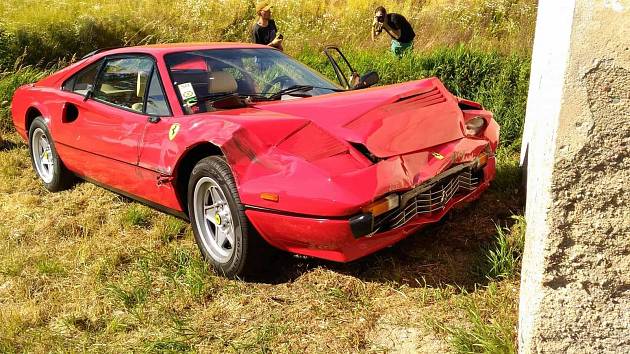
{"points": [[42, 32], [86, 270]]}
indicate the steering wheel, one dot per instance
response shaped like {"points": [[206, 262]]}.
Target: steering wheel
{"points": [[284, 81]]}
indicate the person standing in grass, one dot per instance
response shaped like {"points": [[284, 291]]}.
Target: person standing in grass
{"points": [[397, 27], [264, 30]]}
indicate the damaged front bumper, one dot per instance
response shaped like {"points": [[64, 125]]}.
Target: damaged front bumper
{"points": [[345, 239], [427, 198]]}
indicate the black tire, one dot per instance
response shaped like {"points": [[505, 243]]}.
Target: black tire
{"points": [[248, 249], [59, 178]]}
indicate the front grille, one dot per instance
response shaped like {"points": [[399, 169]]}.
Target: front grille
{"points": [[433, 199]]}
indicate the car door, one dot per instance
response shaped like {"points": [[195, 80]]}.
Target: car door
{"points": [[103, 122], [348, 78]]}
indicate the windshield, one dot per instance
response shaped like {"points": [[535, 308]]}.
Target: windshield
{"points": [[263, 74]]}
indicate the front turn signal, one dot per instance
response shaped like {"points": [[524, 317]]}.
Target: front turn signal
{"points": [[272, 197], [482, 159], [382, 206]]}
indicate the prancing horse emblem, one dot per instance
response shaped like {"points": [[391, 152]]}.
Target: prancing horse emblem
{"points": [[173, 131], [437, 155]]}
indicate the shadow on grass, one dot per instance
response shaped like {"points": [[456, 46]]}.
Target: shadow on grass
{"points": [[449, 252], [6, 145]]}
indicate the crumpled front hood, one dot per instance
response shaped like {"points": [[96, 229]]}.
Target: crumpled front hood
{"points": [[389, 120]]}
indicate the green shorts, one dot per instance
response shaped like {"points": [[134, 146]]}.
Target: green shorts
{"points": [[400, 48]]}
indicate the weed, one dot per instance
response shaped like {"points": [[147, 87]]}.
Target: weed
{"points": [[137, 288], [503, 258], [190, 271], [259, 338], [136, 295], [50, 267], [482, 337], [508, 180], [168, 345], [117, 325], [169, 228], [490, 321], [137, 215], [85, 324]]}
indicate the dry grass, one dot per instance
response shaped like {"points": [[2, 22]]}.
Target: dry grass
{"points": [[86, 270]]}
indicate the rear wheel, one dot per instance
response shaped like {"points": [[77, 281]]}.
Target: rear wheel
{"points": [[45, 159], [222, 231]]}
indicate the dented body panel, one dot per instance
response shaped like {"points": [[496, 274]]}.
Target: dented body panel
{"points": [[325, 157]]}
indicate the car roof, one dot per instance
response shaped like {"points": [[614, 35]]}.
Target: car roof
{"points": [[177, 47]]}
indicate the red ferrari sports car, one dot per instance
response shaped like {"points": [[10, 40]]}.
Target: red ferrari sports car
{"points": [[255, 148]]}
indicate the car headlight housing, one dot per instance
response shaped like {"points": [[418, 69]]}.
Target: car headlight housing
{"points": [[475, 126]]}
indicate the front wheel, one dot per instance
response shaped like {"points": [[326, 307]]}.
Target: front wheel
{"points": [[222, 231], [45, 159]]}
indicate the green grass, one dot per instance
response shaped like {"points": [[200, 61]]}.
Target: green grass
{"points": [[488, 317], [485, 332], [9, 82], [50, 267], [137, 215], [503, 257]]}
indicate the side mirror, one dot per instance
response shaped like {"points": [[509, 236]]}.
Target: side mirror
{"points": [[89, 92], [366, 80]]}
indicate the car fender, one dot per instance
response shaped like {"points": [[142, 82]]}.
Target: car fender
{"points": [[24, 100]]}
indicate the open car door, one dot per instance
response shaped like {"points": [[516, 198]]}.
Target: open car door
{"points": [[348, 77]]}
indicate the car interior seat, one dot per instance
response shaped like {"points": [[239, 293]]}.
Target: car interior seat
{"points": [[141, 86], [221, 82]]}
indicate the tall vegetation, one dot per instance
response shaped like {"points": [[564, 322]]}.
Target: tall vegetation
{"points": [[42, 32], [8, 84]]}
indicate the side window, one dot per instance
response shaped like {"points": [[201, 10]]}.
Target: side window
{"points": [[123, 82], [156, 101], [80, 81]]}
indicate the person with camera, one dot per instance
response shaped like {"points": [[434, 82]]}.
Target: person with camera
{"points": [[264, 30], [397, 27]]}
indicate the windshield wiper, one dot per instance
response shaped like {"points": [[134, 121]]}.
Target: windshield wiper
{"points": [[291, 89]]}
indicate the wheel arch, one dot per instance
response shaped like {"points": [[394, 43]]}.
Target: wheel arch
{"points": [[31, 113], [185, 165]]}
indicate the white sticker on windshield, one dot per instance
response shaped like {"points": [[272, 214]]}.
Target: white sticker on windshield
{"points": [[187, 92]]}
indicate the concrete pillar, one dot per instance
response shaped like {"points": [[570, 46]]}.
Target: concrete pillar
{"points": [[575, 286]]}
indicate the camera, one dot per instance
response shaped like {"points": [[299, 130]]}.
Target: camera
{"points": [[380, 18]]}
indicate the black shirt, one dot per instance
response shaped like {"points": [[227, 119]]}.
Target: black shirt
{"points": [[399, 22], [264, 35]]}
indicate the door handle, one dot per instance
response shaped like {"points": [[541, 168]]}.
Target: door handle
{"points": [[154, 119]]}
